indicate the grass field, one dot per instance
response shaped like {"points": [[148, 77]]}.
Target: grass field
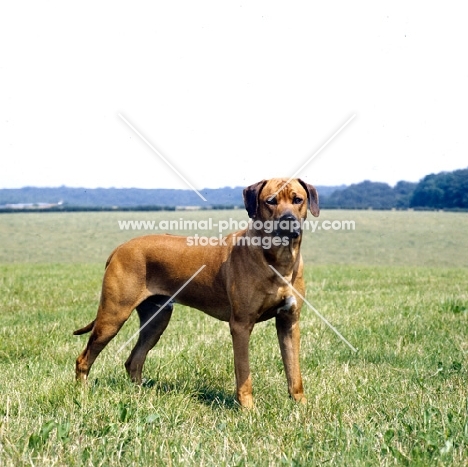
{"points": [[395, 287]]}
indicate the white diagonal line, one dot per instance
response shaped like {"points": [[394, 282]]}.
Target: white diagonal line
{"points": [[316, 153], [316, 312], [161, 307], [161, 156]]}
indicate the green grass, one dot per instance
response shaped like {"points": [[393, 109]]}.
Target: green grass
{"points": [[396, 289], [385, 238]]}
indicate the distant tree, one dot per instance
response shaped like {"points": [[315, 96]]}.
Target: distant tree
{"points": [[363, 195], [447, 190], [403, 192]]}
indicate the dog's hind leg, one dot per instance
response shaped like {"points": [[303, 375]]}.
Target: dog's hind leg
{"points": [[110, 318], [153, 322]]}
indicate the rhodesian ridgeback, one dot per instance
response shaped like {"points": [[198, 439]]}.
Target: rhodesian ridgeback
{"points": [[235, 283]]}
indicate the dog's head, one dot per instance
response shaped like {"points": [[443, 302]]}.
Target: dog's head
{"points": [[283, 202]]}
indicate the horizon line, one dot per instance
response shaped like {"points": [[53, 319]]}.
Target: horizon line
{"points": [[82, 187]]}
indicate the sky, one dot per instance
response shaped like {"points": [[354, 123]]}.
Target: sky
{"points": [[210, 94]]}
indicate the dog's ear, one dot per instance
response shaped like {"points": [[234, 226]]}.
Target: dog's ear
{"points": [[251, 197], [313, 198]]}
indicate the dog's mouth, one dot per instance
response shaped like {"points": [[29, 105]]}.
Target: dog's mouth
{"points": [[288, 226], [286, 233]]}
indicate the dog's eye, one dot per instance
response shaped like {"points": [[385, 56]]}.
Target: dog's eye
{"points": [[297, 200], [272, 201]]}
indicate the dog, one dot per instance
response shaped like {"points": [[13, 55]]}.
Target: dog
{"points": [[238, 281]]}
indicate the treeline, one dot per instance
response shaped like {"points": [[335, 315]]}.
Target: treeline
{"points": [[371, 195], [117, 198], [96, 199], [445, 190]]}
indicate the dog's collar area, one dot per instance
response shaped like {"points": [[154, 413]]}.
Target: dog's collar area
{"points": [[288, 303]]}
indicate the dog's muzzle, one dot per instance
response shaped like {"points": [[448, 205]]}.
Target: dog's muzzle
{"points": [[288, 225]]}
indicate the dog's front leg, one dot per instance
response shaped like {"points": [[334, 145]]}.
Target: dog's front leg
{"points": [[287, 328], [240, 332]]}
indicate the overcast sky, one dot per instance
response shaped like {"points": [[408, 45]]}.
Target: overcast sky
{"points": [[230, 92]]}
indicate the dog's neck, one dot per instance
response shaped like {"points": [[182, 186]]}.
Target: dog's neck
{"points": [[283, 258]]}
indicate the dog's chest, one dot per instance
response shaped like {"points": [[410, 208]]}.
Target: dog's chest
{"points": [[280, 300]]}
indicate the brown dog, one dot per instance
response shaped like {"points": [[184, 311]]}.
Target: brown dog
{"points": [[236, 283]]}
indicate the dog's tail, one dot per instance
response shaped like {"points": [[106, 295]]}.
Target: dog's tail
{"points": [[84, 330]]}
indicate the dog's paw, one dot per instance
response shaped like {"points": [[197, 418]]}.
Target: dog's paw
{"points": [[246, 402], [300, 398]]}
